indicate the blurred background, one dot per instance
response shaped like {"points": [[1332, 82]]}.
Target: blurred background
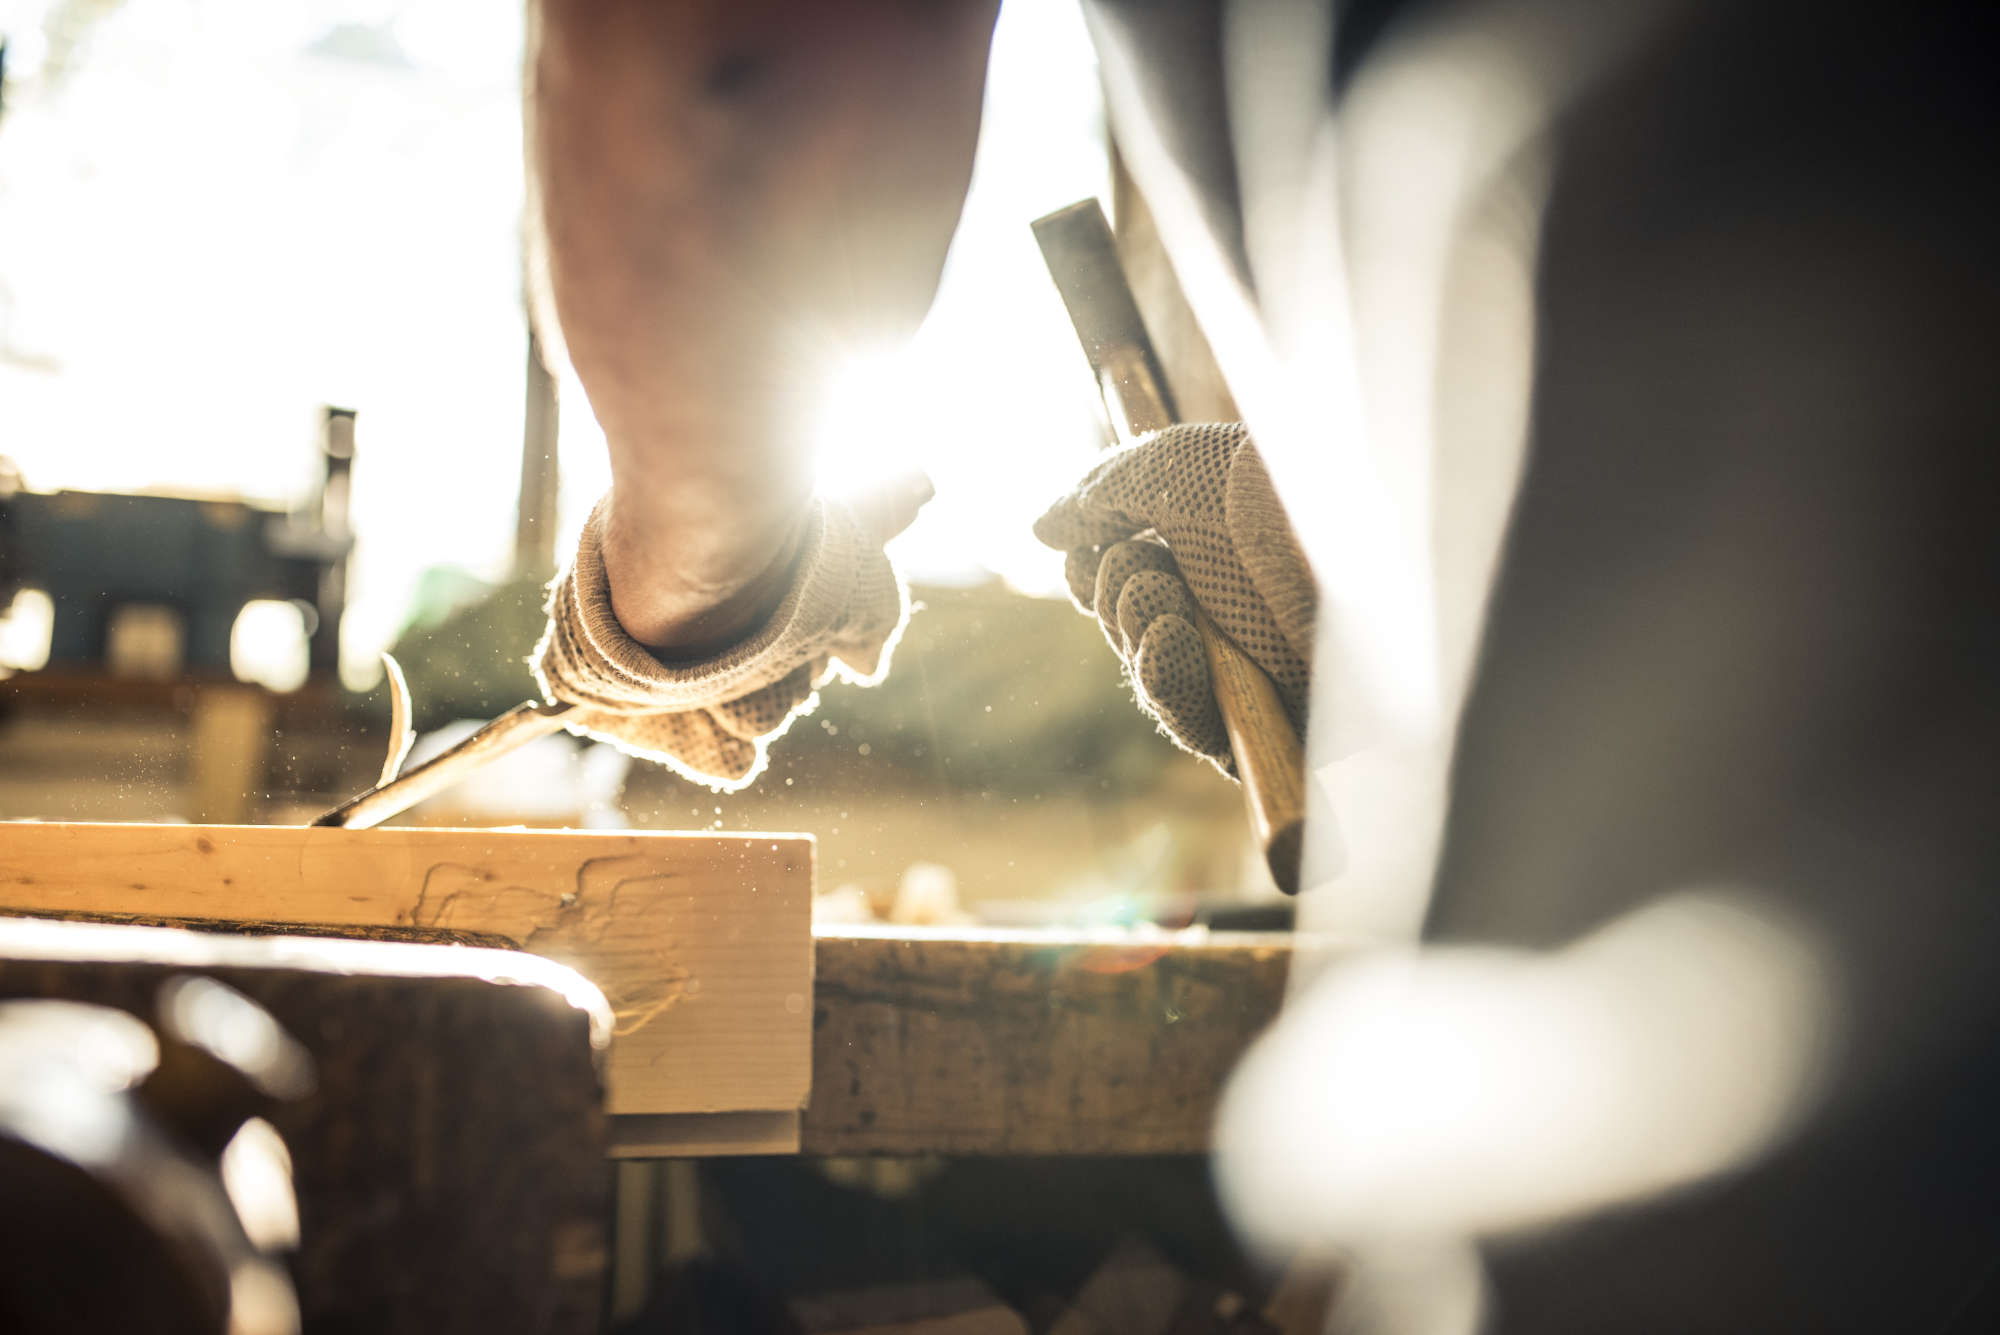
{"points": [[218, 218]]}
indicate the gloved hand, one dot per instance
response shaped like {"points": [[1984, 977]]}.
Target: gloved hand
{"points": [[1187, 516], [712, 720]]}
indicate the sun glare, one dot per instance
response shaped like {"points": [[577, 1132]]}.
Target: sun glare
{"points": [[333, 214], [871, 423], [267, 645]]}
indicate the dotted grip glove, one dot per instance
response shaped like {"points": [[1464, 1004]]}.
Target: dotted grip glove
{"points": [[712, 720], [1184, 517]]}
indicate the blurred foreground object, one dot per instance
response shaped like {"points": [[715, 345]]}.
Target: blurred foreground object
{"points": [[139, 1197], [449, 1157], [1700, 1037], [1469, 1092]]}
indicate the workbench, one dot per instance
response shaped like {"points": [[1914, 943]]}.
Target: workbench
{"points": [[1007, 1042], [731, 1011], [972, 1041], [456, 1070]]}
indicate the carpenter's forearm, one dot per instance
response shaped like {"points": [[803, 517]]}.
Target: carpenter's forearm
{"points": [[729, 196]]}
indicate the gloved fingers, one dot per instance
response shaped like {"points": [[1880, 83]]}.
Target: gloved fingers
{"points": [[864, 639], [1176, 475], [1171, 673], [751, 716], [1145, 597], [1080, 566], [713, 751], [1269, 550], [1071, 523], [1116, 567], [690, 740], [1110, 503]]}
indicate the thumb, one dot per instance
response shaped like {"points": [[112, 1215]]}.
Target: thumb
{"points": [[1106, 506], [1073, 522]]}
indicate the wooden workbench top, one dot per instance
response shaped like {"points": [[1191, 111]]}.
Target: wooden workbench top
{"points": [[1031, 1042], [1038, 1042], [948, 1041]]}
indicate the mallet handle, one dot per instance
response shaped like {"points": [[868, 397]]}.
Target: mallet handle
{"points": [[1083, 260]]}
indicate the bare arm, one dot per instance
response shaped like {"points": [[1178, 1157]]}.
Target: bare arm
{"points": [[728, 196]]}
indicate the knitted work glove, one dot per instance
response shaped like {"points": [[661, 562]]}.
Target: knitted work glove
{"points": [[1187, 516], [712, 720]]}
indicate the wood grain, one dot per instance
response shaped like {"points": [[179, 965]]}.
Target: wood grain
{"points": [[1270, 759], [701, 942], [983, 1042]]}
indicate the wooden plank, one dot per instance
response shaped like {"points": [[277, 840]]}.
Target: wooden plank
{"points": [[701, 942], [704, 1135], [986, 1042]]}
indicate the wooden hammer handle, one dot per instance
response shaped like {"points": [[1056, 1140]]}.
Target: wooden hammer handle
{"points": [[1269, 759], [1083, 259]]}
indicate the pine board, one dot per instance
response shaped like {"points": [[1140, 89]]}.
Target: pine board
{"points": [[701, 942]]}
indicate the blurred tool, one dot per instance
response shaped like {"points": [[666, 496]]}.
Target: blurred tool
{"points": [[1083, 260], [443, 1175]]}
